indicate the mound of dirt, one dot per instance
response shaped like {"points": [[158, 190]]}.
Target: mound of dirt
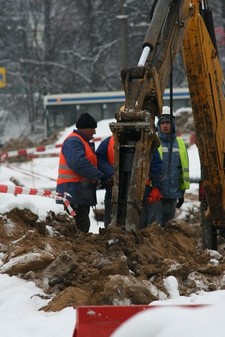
{"points": [[110, 268]]}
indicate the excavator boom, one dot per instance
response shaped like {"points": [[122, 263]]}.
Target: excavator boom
{"points": [[144, 85], [175, 25], [207, 91]]}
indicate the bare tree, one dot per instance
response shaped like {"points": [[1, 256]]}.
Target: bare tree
{"points": [[48, 46]]}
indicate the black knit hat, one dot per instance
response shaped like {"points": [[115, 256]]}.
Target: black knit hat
{"points": [[86, 121]]}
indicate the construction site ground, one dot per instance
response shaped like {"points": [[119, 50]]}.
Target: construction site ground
{"points": [[112, 267]]}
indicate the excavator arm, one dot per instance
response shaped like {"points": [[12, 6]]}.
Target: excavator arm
{"points": [[207, 90], [144, 85], [175, 25]]}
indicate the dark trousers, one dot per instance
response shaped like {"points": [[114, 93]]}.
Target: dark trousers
{"points": [[160, 212], [155, 213], [168, 210], [82, 217], [108, 207]]}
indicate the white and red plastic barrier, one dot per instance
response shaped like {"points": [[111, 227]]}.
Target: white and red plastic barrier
{"points": [[30, 152], [33, 191], [43, 155], [27, 152]]}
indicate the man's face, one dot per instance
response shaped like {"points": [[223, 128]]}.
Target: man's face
{"points": [[88, 132], [165, 126]]}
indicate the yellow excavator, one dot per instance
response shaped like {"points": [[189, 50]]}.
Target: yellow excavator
{"points": [[176, 25]]}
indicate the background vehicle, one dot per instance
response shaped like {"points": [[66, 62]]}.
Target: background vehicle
{"points": [[175, 25], [61, 110]]}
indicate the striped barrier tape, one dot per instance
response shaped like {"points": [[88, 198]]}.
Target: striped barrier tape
{"points": [[30, 151], [27, 152], [43, 155], [43, 193]]}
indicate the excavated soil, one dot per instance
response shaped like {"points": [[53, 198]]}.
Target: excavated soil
{"points": [[113, 267]]}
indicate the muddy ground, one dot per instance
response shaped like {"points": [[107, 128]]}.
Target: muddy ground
{"points": [[110, 268]]}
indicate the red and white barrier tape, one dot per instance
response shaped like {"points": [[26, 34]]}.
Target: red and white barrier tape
{"points": [[26, 152], [43, 155], [33, 191], [30, 151]]}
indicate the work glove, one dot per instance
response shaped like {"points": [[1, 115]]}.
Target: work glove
{"points": [[180, 202], [105, 182], [154, 196], [102, 182]]}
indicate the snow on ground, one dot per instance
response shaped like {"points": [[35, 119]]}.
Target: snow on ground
{"points": [[19, 305], [20, 300]]}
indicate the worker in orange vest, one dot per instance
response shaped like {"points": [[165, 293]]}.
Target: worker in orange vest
{"points": [[78, 174]]}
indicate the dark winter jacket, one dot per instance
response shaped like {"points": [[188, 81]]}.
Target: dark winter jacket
{"points": [[84, 192], [173, 170], [155, 166]]}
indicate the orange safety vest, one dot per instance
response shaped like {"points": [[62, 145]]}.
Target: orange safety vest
{"points": [[110, 152], [65, 174]]}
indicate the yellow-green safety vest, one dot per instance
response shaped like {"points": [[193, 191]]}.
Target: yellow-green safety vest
{"points": [[185, 180]]}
